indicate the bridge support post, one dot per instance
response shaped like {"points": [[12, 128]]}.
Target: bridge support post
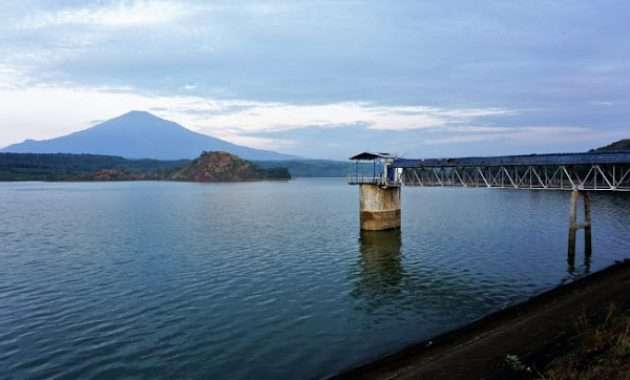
{"points": [[379, 207], [574, 226]]}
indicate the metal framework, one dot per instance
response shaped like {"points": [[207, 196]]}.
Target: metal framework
{"points": [[363, 179], [562, 177], [582, 172], [380, 164]]}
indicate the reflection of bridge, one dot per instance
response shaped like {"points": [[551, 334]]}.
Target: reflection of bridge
{"points": [[576, 172], [382, 277]]}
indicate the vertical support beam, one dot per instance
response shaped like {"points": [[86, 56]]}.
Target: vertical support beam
{"points": [[373, 168], [574, 226], [588, 248]]}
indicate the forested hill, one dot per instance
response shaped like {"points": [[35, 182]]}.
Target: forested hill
{"points": [[312, 168], [62, 167], [210, 166], [616, 146], [225, 167]]}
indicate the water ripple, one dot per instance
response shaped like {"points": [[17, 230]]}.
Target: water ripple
{"points": [[265, 280]]}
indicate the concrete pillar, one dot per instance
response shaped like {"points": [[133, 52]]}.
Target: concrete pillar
{"points": [[588, 245], [379, 207], [574, 226]]}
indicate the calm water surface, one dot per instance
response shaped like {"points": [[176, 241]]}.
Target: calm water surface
{"points": [[263, 280]]}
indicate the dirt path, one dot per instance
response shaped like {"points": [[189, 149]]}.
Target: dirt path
{"points": [[477, 350]]}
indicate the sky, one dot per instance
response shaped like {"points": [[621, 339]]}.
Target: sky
{"points": [[325, 79]]}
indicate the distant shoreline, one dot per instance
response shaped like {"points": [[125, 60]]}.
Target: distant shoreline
{"points": [[63, 167]]}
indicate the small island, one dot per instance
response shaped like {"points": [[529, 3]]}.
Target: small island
{"points": [[208, 167], [225, 167]]}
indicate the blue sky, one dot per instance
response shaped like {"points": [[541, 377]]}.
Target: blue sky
{"points": [[325, 78]]}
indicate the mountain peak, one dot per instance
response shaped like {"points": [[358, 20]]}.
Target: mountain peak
{"points": [[139, 113], [140, 134], [136, 115]]}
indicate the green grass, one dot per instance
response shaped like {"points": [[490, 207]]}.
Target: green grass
{"points": [[596, 347]]}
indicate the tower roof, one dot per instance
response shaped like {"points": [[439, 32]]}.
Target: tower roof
{"points": [[369, 156]]}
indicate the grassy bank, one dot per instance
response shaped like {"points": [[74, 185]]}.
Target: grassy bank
{"points": [[596, 346], [576, 331]]}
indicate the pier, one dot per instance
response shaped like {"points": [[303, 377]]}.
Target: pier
{"points": [[579, 173]]}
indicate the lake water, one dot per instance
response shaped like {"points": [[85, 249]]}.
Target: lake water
{"points": [[264, 280]]}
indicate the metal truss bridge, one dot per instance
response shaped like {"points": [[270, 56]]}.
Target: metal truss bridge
{"points": [[580, 173], [597, 171]]}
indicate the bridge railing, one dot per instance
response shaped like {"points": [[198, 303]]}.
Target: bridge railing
{"points": [[546, 177], [371, 180], [361, 179]]}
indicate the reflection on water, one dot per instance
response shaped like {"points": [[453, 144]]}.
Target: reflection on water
{"points": [[175, 280], [586, 267], [380, 268]]}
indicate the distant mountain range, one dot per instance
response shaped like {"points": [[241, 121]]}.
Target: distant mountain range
{"points": [[138, 134]]}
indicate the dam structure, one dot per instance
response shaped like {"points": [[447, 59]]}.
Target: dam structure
{"points": [[579, 173]]}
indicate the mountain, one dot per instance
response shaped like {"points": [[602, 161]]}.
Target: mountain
{"points": [[138, 134], [616, 146]]}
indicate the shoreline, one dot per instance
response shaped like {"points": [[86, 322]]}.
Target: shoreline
{"points": [[530, 329]]}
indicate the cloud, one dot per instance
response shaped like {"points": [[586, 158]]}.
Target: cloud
{"points": [[11, 77], [45, 110], [117, 14], [253, 117], [541, 135], [604, 103], [56, 109], [282, 145]]}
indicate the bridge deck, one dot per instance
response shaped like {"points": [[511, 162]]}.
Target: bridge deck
{"points": [[595, 158], [602, 171]]}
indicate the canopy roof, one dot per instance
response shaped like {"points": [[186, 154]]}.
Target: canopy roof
{"points": [[369, 156]]}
